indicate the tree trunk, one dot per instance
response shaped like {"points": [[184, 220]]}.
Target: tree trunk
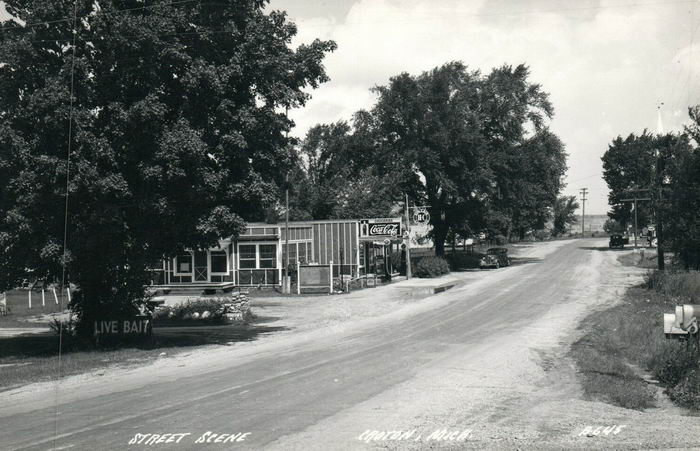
{"points": [[439, 237]]}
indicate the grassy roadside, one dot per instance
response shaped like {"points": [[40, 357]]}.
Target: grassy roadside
{"points": [[629, 335], [32, 358]]}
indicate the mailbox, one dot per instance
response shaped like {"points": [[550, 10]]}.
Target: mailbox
{"points": [[670, 328], [687, 317], [682, 323]]}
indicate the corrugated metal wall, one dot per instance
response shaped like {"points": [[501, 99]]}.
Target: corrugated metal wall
{"points": [[336, 242]]}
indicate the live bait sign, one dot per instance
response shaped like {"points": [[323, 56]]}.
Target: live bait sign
{"points": [[136, 326]]}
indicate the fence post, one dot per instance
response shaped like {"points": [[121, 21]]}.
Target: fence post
{"points": [[30, 297], [68, 293], [54, 295], [331, 273], [43, 298], [298, 277]]}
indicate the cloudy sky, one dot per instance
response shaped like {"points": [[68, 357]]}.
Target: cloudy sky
{"points": [[608, 64]]}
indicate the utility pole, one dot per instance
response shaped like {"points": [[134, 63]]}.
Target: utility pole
{"points": [[408, 241], [583, 210], [660, 167], [636, 199], [286, 284]]}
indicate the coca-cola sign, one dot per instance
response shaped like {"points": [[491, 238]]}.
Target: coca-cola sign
{"points": [[380, 228], [384, 230]]}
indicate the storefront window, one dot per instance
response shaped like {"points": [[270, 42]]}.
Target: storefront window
{"points": [[184, 263], [219, 262], [292, 254], [268, 256], [246, 255], [304, 249]]}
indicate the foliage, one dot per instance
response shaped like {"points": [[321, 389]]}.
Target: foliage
{"points": [[474, 147], [463, 260], [612, 226], [430, 267], [177, 136], [628, 165], [529, 182], [500, 239], [665, 168], [681, 206], [204, 309], [62, 327], [683, 287], [542, 235], [455, 129], [334, 181], [564, 214]]}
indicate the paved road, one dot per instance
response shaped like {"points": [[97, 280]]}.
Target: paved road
{"points": [[289, 397]]}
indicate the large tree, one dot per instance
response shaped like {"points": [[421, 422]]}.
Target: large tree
{"points": [[678, 188], [341, 176], [473, 147], [175, 129], [529, 182], [459, 136], [564, 214], [628, 168]]}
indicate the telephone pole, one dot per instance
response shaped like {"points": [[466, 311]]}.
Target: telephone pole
{"points": [[636, 199], [583, 211], [286, 283], [408, 241]]}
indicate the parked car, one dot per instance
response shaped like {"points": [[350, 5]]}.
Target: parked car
{"points": [[495, 258], [616, 240]]}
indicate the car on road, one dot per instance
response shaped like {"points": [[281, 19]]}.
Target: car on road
{"points": [[616, 240], [495, 258]]}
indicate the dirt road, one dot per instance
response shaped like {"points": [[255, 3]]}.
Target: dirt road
{"points": [[480, 366]]}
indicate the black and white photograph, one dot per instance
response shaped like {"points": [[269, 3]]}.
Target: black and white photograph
{"points": [[349, 225]]}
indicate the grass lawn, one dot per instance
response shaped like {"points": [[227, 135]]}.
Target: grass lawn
{"points": [[623, 339]]}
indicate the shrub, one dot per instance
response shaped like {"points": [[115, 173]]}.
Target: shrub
{"points": [[206, 310], [684, 286], [501, 240], [462, 260], [687, 392], [63, 327], [429, 267], [542, 235]]}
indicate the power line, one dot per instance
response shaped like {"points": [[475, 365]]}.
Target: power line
{"points": [[65, 217]]}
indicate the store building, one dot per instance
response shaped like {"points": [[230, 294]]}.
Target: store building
{"points": [[355, 247]]}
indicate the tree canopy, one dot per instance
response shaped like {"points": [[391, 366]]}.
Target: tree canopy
{"points": [[628, 169], [177, 135], [473, 147], [664, 168], [564, 214]]}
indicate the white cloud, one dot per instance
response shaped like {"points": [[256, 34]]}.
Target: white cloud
{"points": [[607, 65]]}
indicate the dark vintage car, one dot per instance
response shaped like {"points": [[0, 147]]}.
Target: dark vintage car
{"points": [[495, 258], [617, 240]]}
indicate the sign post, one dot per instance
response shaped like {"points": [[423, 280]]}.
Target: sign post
{"points": [[408, 242]]}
